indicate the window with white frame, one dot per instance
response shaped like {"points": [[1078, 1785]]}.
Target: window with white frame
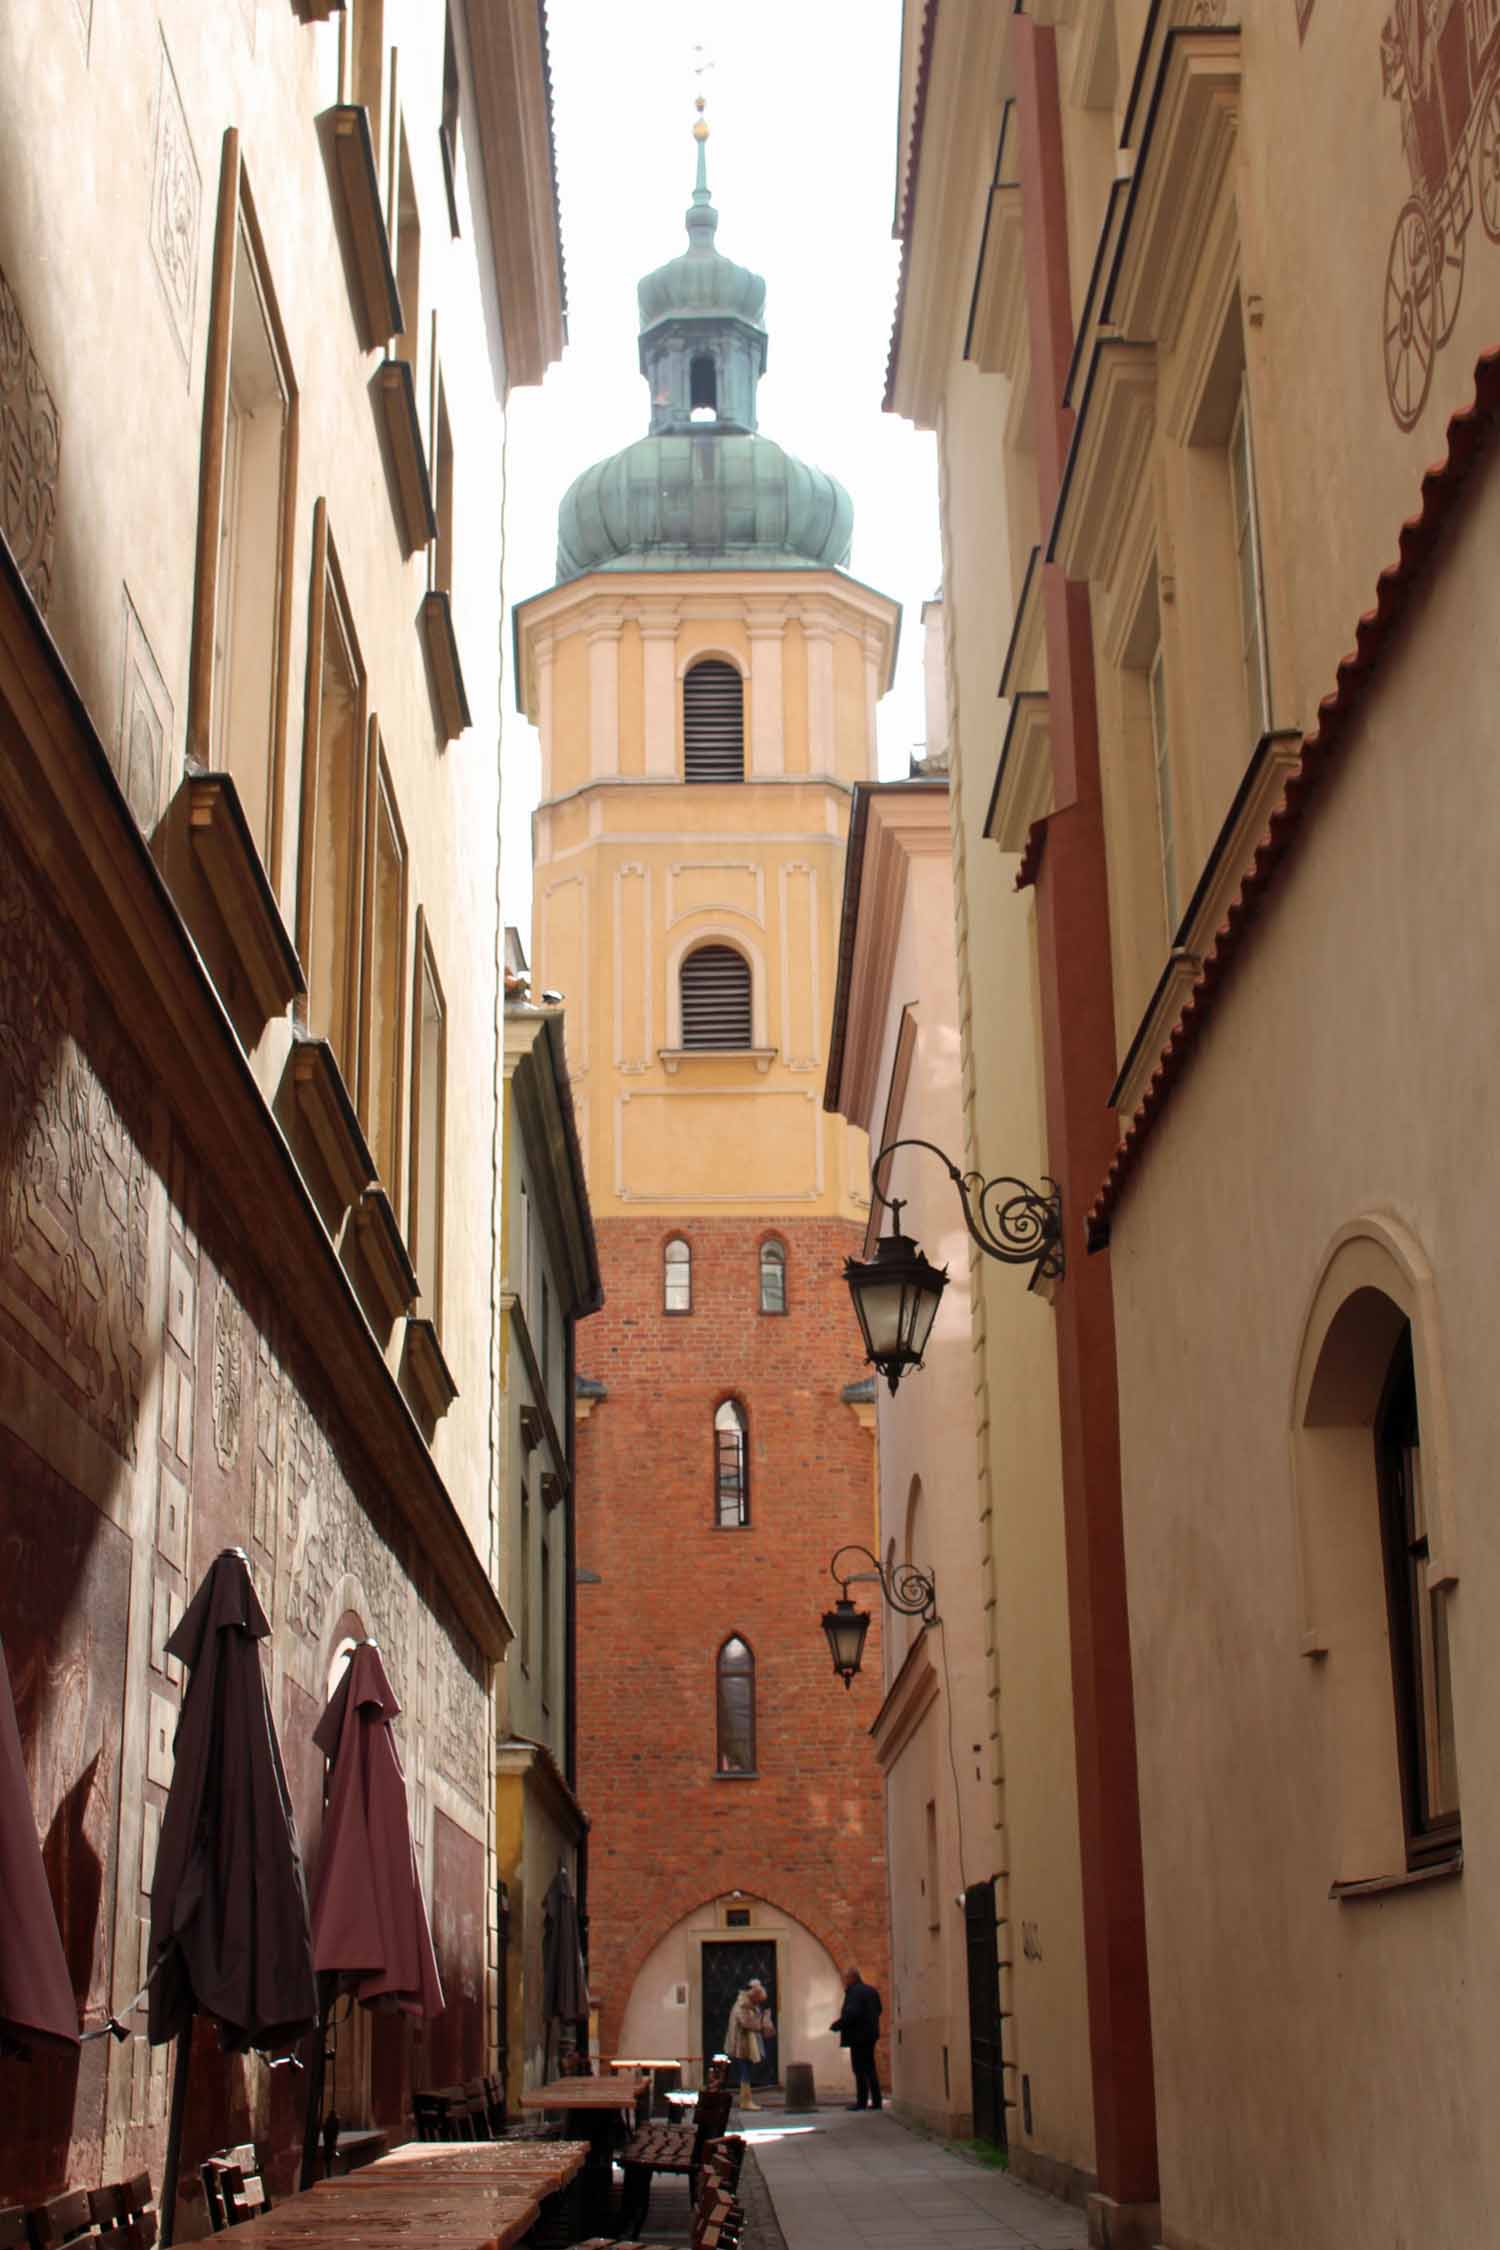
{"points": [[1248, 572], [1161, 758], [677, 1277]]}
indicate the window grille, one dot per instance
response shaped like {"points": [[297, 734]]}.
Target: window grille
{"points": [[736, 1708], [713, 722], [772, 1277], [715, 998], [677, 1276], [731, 1468]]}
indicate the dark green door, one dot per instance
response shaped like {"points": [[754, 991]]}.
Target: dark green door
{"points": [[728, 1966], [985, 2061]]}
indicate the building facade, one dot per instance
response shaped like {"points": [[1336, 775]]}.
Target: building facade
{"points": [[267, 273], [549, 1282], [704, 677], [1236, 782]]}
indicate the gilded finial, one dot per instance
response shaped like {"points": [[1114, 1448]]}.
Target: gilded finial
{"points": [[700, 129]]}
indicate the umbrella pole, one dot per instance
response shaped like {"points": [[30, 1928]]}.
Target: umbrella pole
{"points": [[174, 2135], [316, 2053]]}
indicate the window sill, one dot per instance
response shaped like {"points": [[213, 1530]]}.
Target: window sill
{"points": [[246, 903], [373, 294], [751, 1776], [383, 1253], [394, 397], [674, 1057], [429, 1371], [323, 1103], [1376, 1886], [445, 676]]}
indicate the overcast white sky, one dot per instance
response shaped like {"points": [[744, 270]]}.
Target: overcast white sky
{"points": [[801, 160]]}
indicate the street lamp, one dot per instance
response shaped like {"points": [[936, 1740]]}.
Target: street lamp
{"points": [[897, 1292], [905, 1589]]}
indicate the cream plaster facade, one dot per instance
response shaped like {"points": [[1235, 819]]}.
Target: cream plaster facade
{"points": [[633, 869], [1187, 392]]}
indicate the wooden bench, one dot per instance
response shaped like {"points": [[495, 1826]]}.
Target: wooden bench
{"points": [[232, 2187], [718, 2216], [670, 2148]]}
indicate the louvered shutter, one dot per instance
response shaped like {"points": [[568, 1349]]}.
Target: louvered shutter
{"points": [[715, 998], [713, 722]]}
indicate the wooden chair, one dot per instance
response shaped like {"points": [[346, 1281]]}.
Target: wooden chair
{"points": [[718, 2218], [670, 2148], [232, 2187], [59, 2220], [124, 2213]]}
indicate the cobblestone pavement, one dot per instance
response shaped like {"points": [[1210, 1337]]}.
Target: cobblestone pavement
{"points": [[842, 2181]]}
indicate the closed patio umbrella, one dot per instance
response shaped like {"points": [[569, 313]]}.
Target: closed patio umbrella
{"points": [[371, 1935], [229, 1924], [565, 1986], [37, 2007]]}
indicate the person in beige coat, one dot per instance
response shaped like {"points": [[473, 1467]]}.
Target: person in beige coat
{"points": [[745, 2035]]}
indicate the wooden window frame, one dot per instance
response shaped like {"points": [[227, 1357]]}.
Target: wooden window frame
{"points": [[1249, 565], [450, 128], [1430, 1837], [772, 1251], [237, 215], [671, 1311], [380, 791], [742, 1521], [329, 595], [424, 964], [722, 1674]]}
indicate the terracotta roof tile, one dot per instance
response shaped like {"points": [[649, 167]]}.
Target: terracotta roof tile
{"points": [[1469, 431]]}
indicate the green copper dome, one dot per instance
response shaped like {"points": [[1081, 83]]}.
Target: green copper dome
{"points": [[702, 491]]}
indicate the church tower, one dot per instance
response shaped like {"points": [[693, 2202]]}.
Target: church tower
{"points": [[704, 677]]}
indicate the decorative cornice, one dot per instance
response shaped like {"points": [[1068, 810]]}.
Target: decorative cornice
{"points": [[908, 1699], [1022, 793], [1107, 458], [533, 1765], [1187, 142], [1025, 667], [507, 42], [1470, 432]]}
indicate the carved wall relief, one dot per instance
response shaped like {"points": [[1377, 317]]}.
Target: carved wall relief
{"points": [[227, 1375], [459, 1708], [30, 453], [176, 202], [146, 722], [73, 1180]]}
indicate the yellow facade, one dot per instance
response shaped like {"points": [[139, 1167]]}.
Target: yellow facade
{"points": [[634, 869]]}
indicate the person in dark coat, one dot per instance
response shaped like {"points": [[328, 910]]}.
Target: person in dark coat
{"points": [[858, 2027]]}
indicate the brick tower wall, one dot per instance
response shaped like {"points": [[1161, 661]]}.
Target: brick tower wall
{"points": [[668, 1833]]}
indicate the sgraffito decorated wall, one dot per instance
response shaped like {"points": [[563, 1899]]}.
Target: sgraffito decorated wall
{"points": [[156, 1406]]}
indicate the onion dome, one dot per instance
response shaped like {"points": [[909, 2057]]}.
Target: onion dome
{"points": [[703, 491]]}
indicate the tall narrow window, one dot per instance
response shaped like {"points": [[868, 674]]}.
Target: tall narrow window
{"points": [[406, 237], [773, 1276], [677, 1277], [1248, 571], [1161, 753], [1418, 1626], [245, 522], [544, 1599], [332, 808], [523, 1580], [546, 1328], [736, 1708], [383, 1029], [715, 987], [713, 722], [448, 131], [731, 1468], [429, 1125]]}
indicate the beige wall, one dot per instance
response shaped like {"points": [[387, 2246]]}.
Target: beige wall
{"points": [[664, 2014], [128, 117], [633, 869]]}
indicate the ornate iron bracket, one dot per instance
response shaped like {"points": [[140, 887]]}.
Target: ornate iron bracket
{"points": [[1022, 1227], [905, 1588]]}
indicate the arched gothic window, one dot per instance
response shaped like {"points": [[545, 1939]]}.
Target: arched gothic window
{"points": [[713, 722], [677, 1276], [715, 984], [736, 1707], [731, 1467], [773, 1276]]}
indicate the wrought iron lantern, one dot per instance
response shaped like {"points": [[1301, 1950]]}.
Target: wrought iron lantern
{"points": [[897, 1292], [904, 1588]]}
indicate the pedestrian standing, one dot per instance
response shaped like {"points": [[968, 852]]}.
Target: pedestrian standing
{"points": [[748, 2029], [858, 2027]]}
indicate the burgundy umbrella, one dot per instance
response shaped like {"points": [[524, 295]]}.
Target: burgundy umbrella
{"points": [[229, 1927], [371, 1936], [37, 2007]]}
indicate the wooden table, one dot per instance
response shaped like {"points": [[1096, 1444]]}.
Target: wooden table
{"points": [[596, 2112], [666, 2076], [463, 2195]]}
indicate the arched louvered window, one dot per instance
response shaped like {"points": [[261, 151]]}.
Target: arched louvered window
{"points": [[715, 997], [677, 1276], [773, 1276], [713, 722], [736, 1707], [731, 1468]]}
